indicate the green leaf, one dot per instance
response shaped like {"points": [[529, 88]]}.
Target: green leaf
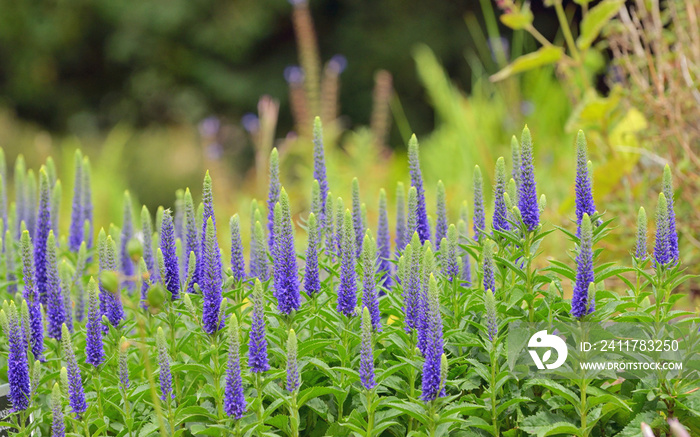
{"points": [[543, 56], [501, 408], [556, 388], [518, 20], [517, 339], [314, 392], [633, 428], [411, 409], [545, 423], [593, 22]]}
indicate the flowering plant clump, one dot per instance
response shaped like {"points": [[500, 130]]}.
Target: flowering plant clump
{"points": [[344, 329]]}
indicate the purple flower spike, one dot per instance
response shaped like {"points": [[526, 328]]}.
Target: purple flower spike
{"points": [[124, 363], [466, 270], [384, 242], [432, 380], [211, 281], [166, 378], [207, 207], [491, 321], [312, 285], [31, 211], [500, 211], [662, 248], [347, 288], [401, 231], [148, 254], [257, 343], [58, 426], [113, 303], [479, 214], [449, 259], [259, 263], [370, 297], [427, 269], [75, 234], [489, 267], [441, 222], [412, 283], [76, 393], [672, 233], [170, 260], [43, 227], [273, 196], [517, 163], [284, 256], [640, 251], [55, 309], [527, 193], [367, 353], [127, 264], [581, 305], [412, 222], [87, 203], [191, 243], [56, 196], [584, 190], [17, 363], [234, 399], [339, 220], [237, 259], [320, 167], [329, 227], [423, 226], [357, 216], [31, 296], [293, 381], [94, 349]]}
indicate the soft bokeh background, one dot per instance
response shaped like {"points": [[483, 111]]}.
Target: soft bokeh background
{"points": [[157, 92]]}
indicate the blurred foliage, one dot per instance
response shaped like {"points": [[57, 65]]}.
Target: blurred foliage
{"points": [[84, 66]]}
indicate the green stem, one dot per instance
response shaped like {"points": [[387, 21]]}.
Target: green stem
{"points": [[294, 415], [126, 411], [99, 394], [431, 421], [583, 409], [566, 30], [21, 422], [528, 284], [411, 377], [217, 378], [370, 413], [170, 417], [258, 390], [494, 415], [457, 309], [584, 385], [344, 327]]}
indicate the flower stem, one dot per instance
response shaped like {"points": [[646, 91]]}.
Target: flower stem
{"points": [[494, 414], [258, 390], [217, 378], [370, 413]]}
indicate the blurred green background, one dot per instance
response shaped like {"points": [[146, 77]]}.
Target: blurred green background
{"points": [[156, 92]]}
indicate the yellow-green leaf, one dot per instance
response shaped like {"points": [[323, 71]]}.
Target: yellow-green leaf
{"points": [[517, 20], [593, 22], [543, 56]]}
